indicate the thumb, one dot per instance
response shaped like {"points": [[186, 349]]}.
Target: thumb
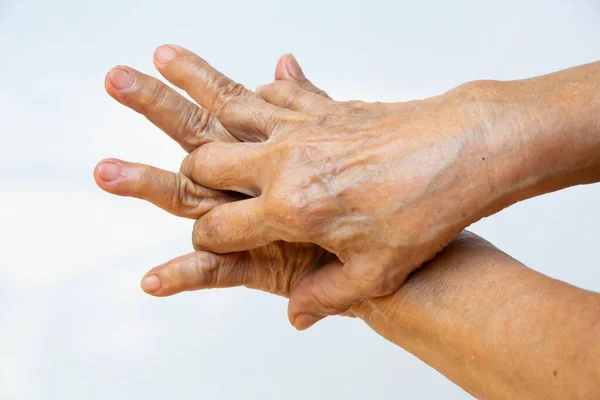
{"points": [[335, 287], [328, 290]]}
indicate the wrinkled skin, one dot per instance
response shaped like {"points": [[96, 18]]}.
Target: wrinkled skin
{"points": [[472, 311], [381, 186], [384, 187], [276, 268], [342, 175]]}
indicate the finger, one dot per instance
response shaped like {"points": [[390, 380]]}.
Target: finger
{"points": [[274, 269], [289, 95], [172, 192], [233, 227], [289, 70], [227, 166], [185, 122], [256, 120], [196, 271], [207, 86], [334, 288]]}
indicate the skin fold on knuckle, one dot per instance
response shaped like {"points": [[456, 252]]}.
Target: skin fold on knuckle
{"points": [[207, 230], [154, 98], [295, 98], [282, 212], [206, 271], [226, 89], [187, 199], [236, 111], [195, 128], [229, 109]]}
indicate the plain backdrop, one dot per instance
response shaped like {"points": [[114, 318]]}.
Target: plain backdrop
{"points": [[74, 323]]}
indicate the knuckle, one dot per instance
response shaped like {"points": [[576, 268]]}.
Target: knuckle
{"points": [[206, 230], [155, 97], [207, 269], [290, 94], [293, 209], [325, 119], [274, 206], [295, 98], [200, 129], [354, 107], [194, 127], [230, 108], [185, 197], [278, 86], [227, 89], [179, 193]]}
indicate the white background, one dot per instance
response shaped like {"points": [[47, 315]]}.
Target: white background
{"points": [[74, 323]]}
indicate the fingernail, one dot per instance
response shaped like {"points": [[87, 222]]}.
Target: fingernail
{"points": [[150, 284], [121, 79], [164, 54], [294, 68], [305, 321], [260, 88], [110, 172]]}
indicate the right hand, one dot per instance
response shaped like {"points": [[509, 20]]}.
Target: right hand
{"points": [[384, 187], [276, 268]]}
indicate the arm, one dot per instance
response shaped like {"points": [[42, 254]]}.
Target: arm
{"points": [[430, 167], [544, 134], [494, 327], [385, 188], [491, 325]]}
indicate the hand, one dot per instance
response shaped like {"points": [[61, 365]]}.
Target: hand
{"points": [[382, 186], [189, 124], [275, 268]]}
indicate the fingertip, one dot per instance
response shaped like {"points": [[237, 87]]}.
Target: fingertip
{"points": [[108, 171], [119, 78], [165, 54], [293, 68], [305, 321], [281, 73], [150, 284]]}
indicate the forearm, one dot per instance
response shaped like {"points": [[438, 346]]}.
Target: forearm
{"points": [[494, 327], [543, 134]]}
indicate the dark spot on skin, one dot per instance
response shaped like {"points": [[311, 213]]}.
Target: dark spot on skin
{"points": [[555, 373], [483, 158]]}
